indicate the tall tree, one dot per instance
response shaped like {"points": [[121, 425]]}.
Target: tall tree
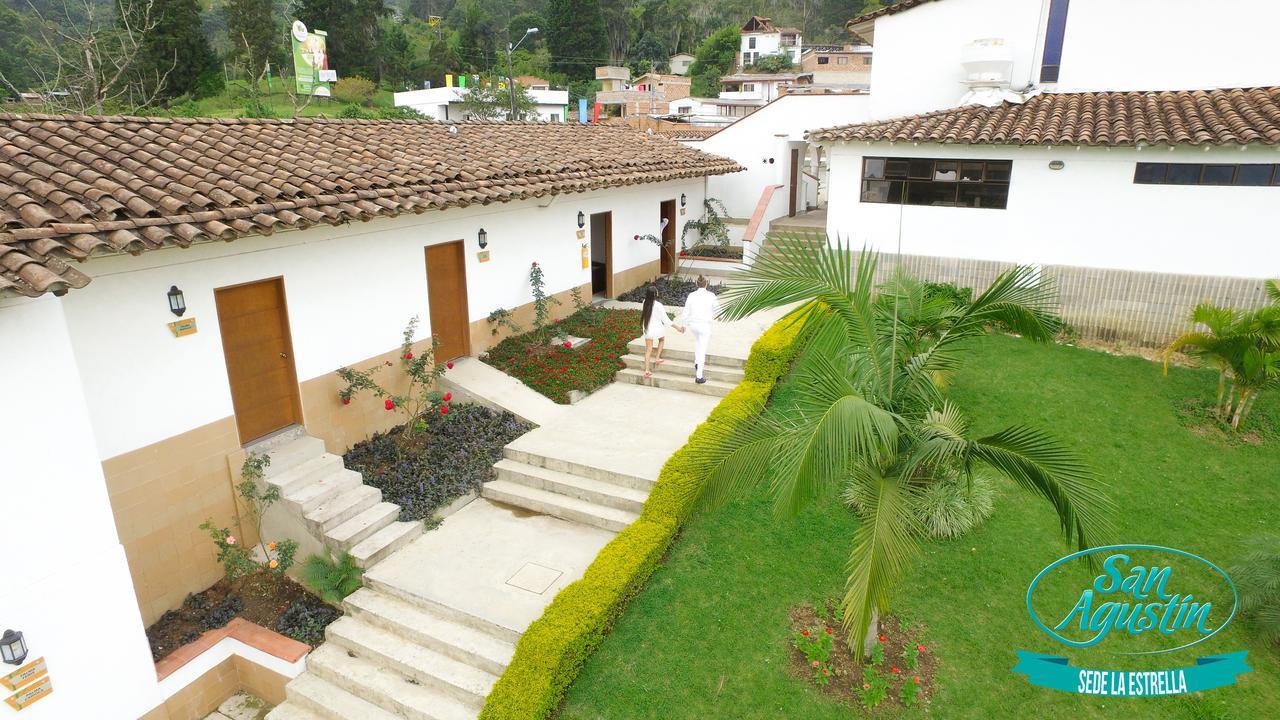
{"points": [[477, 43], [177, 48], [577, 37], [354, 32], [254, 34], [396, 56], [716, 56]]}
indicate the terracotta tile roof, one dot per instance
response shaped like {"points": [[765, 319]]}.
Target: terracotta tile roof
{"points": [[886, 10], [688, 132], [1185, 117], [75, 186]]}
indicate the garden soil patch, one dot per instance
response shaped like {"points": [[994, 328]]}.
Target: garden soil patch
{"points": [[847, 670], [261, 598], [672, 292]]}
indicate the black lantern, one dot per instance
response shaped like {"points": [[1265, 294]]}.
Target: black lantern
{"points": [[483, 237], [13, 649], [683, 200], [177, 304], [582, 219]]}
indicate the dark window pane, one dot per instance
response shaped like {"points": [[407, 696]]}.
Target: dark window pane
{"points": [[1150, 173], [998, 170], [873, 168], [1254, 175], [1183, 174], [931, 193], [882, 191], [895, 168], [945, 170], [824, 60], [984, 196], [922, 169], [971, 172], [1218, 175]]}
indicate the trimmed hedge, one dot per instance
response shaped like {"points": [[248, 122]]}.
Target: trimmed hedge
{"points": [[555, 646]]}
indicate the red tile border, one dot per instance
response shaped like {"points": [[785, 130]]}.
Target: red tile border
{"points": [[251, 634]]}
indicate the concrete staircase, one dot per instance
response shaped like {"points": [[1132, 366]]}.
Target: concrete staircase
{"points": [[394, 656], [567, 490], [332, 503], [723, 373]]}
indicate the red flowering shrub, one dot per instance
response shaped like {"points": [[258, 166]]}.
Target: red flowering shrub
{"points": [[555, 370]]}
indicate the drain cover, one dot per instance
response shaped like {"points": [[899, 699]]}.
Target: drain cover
{"points": [[534, 578]]}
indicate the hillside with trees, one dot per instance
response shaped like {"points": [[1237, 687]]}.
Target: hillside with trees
{"points": [[233, 56]]}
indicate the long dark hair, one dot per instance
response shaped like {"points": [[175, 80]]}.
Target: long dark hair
{"points": [[650, 297]]}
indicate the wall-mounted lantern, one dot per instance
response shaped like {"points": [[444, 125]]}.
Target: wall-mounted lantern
{"points": [[177, 304], [683, 200], [483, 237], [582, 220], [13, 649]]}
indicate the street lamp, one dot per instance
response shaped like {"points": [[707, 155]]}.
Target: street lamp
{"points": [[511, 79]]}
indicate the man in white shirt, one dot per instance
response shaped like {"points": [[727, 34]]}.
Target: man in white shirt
{"points": [[700, 308]]}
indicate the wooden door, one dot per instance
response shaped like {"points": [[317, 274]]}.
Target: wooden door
{"points": [[254, 322], [447, 297], [795, 181], [668, 213]]}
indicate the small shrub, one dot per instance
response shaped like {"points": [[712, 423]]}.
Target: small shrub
{"points": [[910, 693], [672, 291], [951, 508], [501, 318], [874, 688], [815, 645], [354, 89], [421, 371], [223, 613], [541, 301], [332, 580], [305, 622], [1257, 576], [711, 227], [911, 653], [731, 252]]}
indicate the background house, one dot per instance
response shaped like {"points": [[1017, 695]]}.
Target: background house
{"points": [[1077, 138], [679, 63], [121, 438], [445, 103], [649, 94], [842, 66], [760, 37]]}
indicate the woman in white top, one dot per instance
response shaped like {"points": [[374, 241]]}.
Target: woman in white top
{"points": [[654, 322]]}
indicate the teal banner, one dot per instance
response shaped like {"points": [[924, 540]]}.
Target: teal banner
{"points": [[1209, 672]]}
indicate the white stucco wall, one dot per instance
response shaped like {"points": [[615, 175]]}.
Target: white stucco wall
{"points": [[1169, 45], [444, 103], [350, 291], [1090, 213], [769, 133], [67, 584]]}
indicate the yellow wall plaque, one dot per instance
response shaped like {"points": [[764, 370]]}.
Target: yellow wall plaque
{"points": [[582, 234], [186, 326], [30, 694], [24, 674], [586, 256], [483, 256]]}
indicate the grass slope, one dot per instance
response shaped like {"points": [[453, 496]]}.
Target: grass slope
{"points": [[708, 636]]}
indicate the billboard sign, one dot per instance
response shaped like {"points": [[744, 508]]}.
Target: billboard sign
{"points": [[310, 61]]}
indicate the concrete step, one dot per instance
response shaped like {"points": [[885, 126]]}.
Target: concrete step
{"points": [[574, 468], [293, 453], [557, 505], [306, 472], [369, 521], [463, 682], [594, 491], [421, 625], [321, 490], [342, 508], [672, 381], [386, 688], [452, 614], [677, 366], [323, 698], [373, 549], [636, 347], [289, 711]]}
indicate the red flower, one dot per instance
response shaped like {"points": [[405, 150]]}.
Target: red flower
{"points": [[346, 401], [804, 633], [568, 344], [635, 237], [920, 648], [882, 638], [390, 404], [816, 663], [408, 356], [449, 365], [866, 686], [828, 631], [535, 263], [895, 669], [444, 409], [557, 319], [915, 679], [447, 397], [824, 671]]}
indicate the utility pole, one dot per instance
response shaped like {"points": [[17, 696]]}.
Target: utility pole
{"points": [[511, 80]]}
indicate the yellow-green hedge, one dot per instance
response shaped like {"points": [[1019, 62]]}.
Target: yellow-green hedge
{"points": [[554, 647]]}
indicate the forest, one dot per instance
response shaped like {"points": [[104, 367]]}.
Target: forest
{"points": [[139, 55]]}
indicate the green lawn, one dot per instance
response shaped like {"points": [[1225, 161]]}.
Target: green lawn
{"points": [[231, 101], [708, 637]]}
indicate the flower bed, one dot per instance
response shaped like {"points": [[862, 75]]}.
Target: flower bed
{"points": [[265, 598], [450, 455], [672, 291], [715, 252], [556, 370]]}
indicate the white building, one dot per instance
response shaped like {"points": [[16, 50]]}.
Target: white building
{"points": [[760, 38], [444, 103], [1088, 139], [119, 435], [680, 63]]}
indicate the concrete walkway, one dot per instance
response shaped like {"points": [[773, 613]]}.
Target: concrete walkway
{"points": [[473, 381], [437, 621]]}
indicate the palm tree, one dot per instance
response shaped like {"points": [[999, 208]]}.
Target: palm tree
{"points": [[871, 421]]}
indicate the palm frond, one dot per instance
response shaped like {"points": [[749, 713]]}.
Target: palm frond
{"points": [[1021, 299], [1039, 463], [733, 460], [1273, 290]]}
